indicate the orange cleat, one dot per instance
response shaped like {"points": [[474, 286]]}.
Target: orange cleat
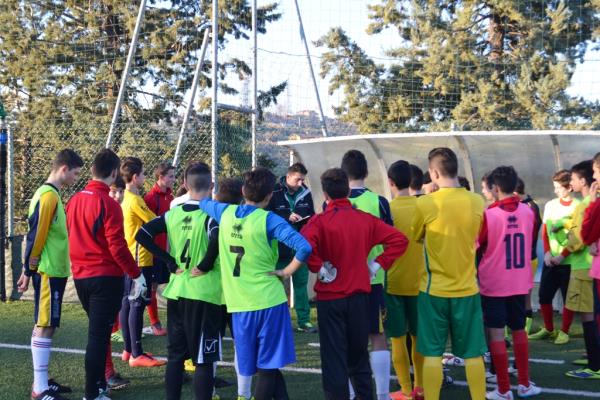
{"points": [[125, 356], [158, 330], [399, 396], [418, 394], [145, 360]]}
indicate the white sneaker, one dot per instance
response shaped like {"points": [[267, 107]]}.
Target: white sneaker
{"points": [[487, 357], [512, 371], [496, 395], [528, 391], [490, 378], [148, 330]]}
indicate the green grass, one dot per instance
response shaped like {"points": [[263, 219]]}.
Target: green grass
{"points": [[16, 370]]}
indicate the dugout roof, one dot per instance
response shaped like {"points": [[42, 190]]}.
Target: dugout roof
{"points": [[536, 155]]}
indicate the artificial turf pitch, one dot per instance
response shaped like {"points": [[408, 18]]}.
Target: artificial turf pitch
{"points": [[303, 383]]}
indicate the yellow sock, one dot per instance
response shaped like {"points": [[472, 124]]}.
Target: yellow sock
{"points": [[417, 363], [475, 370], [432, 377], [401, 364]]}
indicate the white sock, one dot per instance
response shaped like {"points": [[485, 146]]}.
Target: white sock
{"points": [[244, 383], [380, 364], [40, 353], [351, 389]]}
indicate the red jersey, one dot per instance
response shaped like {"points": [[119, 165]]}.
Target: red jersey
{"points": [[97, 245], [158, 201], [344, 236]]}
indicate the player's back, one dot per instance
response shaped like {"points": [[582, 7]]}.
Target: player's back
{"points": [[132, 205], [405, 275], [450, 222]]}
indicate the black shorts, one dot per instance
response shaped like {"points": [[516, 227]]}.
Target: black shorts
{"points": [[376, 309], [554, 278], [160, 272], [194, 329], [148, 275], [499, 312]]}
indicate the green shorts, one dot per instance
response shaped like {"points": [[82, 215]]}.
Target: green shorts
{"points": [[401, 315], [458, 317]]}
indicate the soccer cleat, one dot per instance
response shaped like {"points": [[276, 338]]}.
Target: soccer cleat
{"points": [[542, 334], [418, 394], [487, 357], [307, 328], [158, 330], [47, 395], [582, 361], [189, 366], [145, 361], [102, 395], [561, 338], [57, 387], [449, 359], [399, 396], [125, 356], [117, 382], [528, 391], [496, 395], [528, 323], [245, 398], [216, 397], [512, 371], [584, 373], [116, 337], [490, 378]]}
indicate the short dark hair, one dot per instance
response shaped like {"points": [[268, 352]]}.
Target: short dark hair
{"points": [[258, 184], [426, 178], [487, 179], [585, 170], [198, 177], [416, 177], [68, 158], [445, 161], [563, 177], [354, 165], [399, 173], [597, 158], [119, 183], [162, 169], [105, 162], [230, 191], [297, 167], [334, 182], [520, 188], [505, 178], [464, 182], [131, 166]]}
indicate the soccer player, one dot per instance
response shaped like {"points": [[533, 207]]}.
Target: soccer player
{"points": [[354, 165], [505, 279], [580, 293], [99, 257], [402, 287], [487, 188], [464, 182], [292, 201], [448, 221], [193, 300], [47, 265], [416, 181], [158, 200], [590, 233], [135, 214], [343, 238], [256, 298], [556, 277], [117, 189]]}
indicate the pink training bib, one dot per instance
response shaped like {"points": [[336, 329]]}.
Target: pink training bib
{"points": [[505, 269]]}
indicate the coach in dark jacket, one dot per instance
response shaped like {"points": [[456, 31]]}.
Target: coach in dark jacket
{"points": [[293, 202]]}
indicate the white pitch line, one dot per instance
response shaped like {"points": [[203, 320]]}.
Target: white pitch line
{"points": [[531, 360], [314, 371]]}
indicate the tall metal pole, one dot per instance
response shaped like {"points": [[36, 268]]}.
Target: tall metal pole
{"points": [[254, 80], [122, 88], [3, 140], [213, 110], [190, 105], [312, 72], [10, 185]]}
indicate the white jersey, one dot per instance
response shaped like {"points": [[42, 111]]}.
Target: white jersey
{"points": [[179, 200]]}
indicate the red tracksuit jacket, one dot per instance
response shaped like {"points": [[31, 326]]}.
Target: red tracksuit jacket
{"points": [[344, 236], [159, 202], [97, 244]]}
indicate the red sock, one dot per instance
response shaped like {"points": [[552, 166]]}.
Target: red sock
{"points": [[567, 320], [153, 309], [109, 368], [547, 315], [521, 351], [500, 360]]}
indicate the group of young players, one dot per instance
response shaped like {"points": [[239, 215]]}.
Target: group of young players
{"points": [[434, 263]]}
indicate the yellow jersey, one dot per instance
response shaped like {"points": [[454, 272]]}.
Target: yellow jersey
{"points": [[135, 214], [448, 222], [404, 277]]}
